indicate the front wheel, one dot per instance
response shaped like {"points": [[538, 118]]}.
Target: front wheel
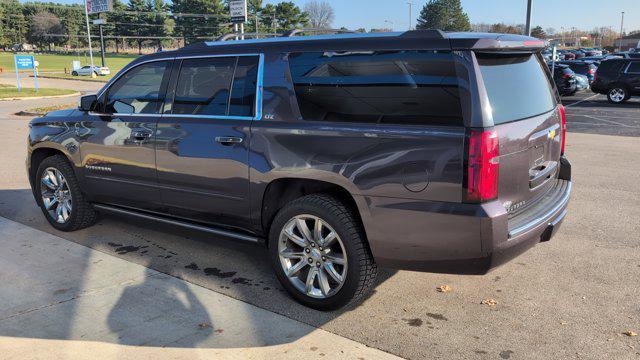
{"points": [[74, 73], [319, 252], [617, 95]]}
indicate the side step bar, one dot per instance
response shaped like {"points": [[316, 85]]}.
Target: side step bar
{"points": [[184, 224]]}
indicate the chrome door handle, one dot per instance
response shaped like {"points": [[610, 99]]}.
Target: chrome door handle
{"points": [[228, 140]]}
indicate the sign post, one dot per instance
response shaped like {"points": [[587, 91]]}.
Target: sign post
{"points": [[238, 12], [101, 22], [23, 62], [95, 7]]}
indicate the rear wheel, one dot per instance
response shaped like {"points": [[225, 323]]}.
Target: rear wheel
{"points": [[74, 73], [59, 195], [318, 251], [617, 95]]}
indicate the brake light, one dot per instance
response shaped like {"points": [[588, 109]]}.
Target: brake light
{"points": [[482, 165], [592, 71], [563, 127], [566, 76]]}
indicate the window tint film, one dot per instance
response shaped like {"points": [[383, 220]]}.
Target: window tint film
{"points": [[243, 91], [517, 86], [203, 86], [388, 87], [139, 91], [634, 67]]}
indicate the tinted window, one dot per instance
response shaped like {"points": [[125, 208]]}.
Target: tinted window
{"points": [[401, 87], [243, 91], [517, 85], [203, 86], [634, 67], [139, 91]]}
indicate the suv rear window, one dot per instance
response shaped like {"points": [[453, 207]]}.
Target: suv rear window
{"points": [[517, 85], [384, 87]]}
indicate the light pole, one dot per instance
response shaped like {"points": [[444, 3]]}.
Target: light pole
{"points": [[621, 29], [527, 28], [390, 22], [410, 12]]}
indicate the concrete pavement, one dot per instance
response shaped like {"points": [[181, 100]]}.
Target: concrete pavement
{"points": [[64, 300]]}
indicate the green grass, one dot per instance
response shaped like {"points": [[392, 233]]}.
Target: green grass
{"points": [[7, 91], [87, 78], [54, 62], [45, 109]]}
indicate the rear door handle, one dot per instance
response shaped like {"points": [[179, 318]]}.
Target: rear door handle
{"points": [[140, 135], [228, 140]]}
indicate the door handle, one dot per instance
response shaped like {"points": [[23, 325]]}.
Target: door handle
{"points": [[228, 140], [140, 135]]}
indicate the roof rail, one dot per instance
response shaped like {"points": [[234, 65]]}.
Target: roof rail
{"points": [[229, 36], [425, 34], [295, 32]]}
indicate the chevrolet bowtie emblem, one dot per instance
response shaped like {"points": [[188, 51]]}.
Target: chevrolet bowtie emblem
{"points": [[551, 134]]}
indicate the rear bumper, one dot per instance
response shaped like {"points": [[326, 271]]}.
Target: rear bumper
{"points": [[461, 238]]}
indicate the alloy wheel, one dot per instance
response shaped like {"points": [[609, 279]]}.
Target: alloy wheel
{"points": [[56, 195], [617, 94], [312, 256]]}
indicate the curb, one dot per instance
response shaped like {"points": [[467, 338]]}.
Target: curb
{"points": [[27, 113], [63, 78], [42, 97]]}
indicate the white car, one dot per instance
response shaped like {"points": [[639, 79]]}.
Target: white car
{"points": [[86, 71]]}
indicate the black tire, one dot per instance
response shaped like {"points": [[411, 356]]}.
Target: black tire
{"points": [[361, 270], [621, 91], [82, 214], [74, 73]]}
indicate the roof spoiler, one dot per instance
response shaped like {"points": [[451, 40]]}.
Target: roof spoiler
{"points": [[424, 34], [499, 43]]}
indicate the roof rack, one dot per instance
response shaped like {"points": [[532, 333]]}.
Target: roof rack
{"points": [[235, 35], [295, 32]]}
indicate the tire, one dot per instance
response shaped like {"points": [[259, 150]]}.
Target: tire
{"points": [[618, 94], [358, 272], [82, 214], [74, 73]]}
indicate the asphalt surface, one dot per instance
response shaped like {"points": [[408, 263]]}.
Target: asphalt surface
{"points": [[569, 298], [593, 114]]}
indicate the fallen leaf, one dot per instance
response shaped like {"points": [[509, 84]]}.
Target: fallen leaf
{"points": [[490, 302], [630, 333], [204, 326], [563, 323], [444, 288]]}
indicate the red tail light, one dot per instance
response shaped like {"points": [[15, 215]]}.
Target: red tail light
{"points": [[566, 76], [482, 165], [592, 71], [563, 127]]}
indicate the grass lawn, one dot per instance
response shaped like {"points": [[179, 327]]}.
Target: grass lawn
{"points": [[45, 109], [57, 63], [7, 91], [103, 79]]}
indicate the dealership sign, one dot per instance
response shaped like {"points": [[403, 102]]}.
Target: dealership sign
{"points": [[99, 6], [25, 62], [238, 11]]}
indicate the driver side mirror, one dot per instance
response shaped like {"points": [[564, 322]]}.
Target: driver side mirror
{"points": [[88, 102]]}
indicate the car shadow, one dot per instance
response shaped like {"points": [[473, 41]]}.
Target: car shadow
{"points": [[159, 304]]}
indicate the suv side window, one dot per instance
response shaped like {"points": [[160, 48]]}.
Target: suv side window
{"points": [[384, 87], [217, 86], [140, 90], [634, 67]]}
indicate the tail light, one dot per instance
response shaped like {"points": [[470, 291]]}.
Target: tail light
{"points": [[566, 76], [592, 71], [563, 127], [482, 165]]}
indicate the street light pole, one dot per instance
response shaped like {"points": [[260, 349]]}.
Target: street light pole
{"points": [[410, 13], [527, 28], [621, 29]]}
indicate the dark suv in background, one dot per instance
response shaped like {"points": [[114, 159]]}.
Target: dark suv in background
{"points": [[418, 150], [619, 79]]}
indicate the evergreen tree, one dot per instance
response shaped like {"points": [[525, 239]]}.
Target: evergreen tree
{"points": [[289, 16], [13, 23], [446, 15], [193, 27], [538, 32]]}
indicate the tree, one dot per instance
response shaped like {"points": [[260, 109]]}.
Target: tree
{"points": [[446, 15], [13, 23], [320, 14], [504, 29], [537, 32], [192, 27], [44, 23], [289, 16]]}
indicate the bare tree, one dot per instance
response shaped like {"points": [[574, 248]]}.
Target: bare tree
{"points": [[320, 14]]}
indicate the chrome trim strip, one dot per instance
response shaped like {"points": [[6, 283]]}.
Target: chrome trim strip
{"points": [[208, 229], [259, 89], [304, 38], [540, 219]]}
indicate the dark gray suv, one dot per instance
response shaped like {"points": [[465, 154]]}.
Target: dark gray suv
{"points": [[340, 153]]}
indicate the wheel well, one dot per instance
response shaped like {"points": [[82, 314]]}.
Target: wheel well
{"points": [[282, 191], [37, 156]]}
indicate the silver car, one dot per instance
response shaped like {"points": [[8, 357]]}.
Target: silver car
{"points": [[86, 71]]}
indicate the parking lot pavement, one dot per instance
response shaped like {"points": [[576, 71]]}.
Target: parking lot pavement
{"points": [[54, 289], [570, 298], [592, 113]]}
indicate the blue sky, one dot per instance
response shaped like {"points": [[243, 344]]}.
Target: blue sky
{"points": [[582, 14]]}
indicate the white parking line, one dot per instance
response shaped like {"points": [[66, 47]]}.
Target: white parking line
{"points": [[611, 122], [583, 100]]}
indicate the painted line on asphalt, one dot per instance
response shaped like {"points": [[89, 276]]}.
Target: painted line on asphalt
{"points": [[583, 100], [611, 122]]}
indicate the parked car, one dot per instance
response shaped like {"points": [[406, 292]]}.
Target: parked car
{"points": [[578, 54], [619, 79], [582, 82], [568, 55], [389, 149], [582, 67], [86, 71], [626, 55], [565, 79]]}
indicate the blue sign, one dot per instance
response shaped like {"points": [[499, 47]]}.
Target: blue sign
{"points": [[24, 61]]}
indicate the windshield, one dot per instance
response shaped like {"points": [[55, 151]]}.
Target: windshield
{"points": [[517, 85]]}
